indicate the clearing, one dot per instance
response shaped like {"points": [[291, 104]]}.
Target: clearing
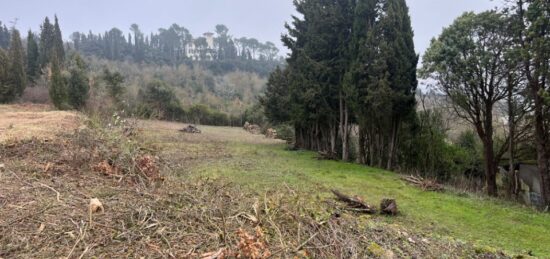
{"points": [[224, 192]]}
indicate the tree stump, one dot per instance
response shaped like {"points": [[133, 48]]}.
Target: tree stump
{"points": [[388, 207]]}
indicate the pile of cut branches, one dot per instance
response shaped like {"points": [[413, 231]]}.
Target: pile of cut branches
{"points": [[425, 184]]}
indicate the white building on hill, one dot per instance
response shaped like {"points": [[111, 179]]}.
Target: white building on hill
{"points": [[202, 48]]}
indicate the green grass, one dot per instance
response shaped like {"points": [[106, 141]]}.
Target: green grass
{"points": [[479, 220], [256, 163]]}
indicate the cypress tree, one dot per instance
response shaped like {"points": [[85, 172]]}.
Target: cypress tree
{"points": [[4, 36], [7, 93], [17, 77], [57, 86], [33, 58], [46, 42], [401, 61], [78, 83], [58, 42]]}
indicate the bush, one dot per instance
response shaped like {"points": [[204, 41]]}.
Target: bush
{"points": [[159, 101]]}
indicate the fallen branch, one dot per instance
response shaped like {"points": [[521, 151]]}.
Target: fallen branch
{"points": [[354, 203]]}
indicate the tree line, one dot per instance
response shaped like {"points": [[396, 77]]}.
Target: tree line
{"points": [[170, 46], [352, 68]]}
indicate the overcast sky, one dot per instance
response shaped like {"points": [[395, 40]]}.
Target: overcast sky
{"points": [[262, 19]]}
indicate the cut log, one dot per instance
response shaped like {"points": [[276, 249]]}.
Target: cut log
{"points": [[388, 207], [354, 203]]}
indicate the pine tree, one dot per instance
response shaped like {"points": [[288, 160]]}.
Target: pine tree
{"points": [[78, 85], [33, 58], [57, 86], [46, 42], [17, 77]]}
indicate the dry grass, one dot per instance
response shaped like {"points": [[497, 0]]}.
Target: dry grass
{"points": [[26, 121]]}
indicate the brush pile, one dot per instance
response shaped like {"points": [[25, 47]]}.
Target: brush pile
{"points": [[192, 129], [424, 184]]}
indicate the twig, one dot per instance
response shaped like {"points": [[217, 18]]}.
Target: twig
{"points": [[54, 190], [305, 243]]}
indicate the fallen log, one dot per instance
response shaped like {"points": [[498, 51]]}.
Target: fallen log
{"points": [[354, 203], [326, 155], [425, 184], [388, 207]]}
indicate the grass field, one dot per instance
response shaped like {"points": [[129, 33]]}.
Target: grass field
{"points": [[261, 165], [205, 193]]}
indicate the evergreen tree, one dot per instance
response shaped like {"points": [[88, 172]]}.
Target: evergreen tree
{"points": [[401, 61], [7, 93], [78, 85], [17, 77], [57, 86], [47, 38], [59, 50], [276, 99], [4, 36], [114, 83], [33, 58]]}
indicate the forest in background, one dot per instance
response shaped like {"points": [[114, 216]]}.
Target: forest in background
{"points": [[166, 75]]}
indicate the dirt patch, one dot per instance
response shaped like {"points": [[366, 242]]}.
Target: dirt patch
{"points": [[28, 121]]}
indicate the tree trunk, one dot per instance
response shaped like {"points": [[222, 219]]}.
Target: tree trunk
{"points": [[345, 135], [393, 143], [542, 142], [489, 153], [362, 143]]}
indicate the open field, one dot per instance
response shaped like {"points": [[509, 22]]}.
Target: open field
{"points": [[263, 165], [229, 193]]}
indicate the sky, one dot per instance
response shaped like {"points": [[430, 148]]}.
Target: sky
{"points": [[261, 19]]}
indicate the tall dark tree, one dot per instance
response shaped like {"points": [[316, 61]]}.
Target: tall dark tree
{"points": [[16, 55], [7, 93], [276, 99], [57, 86], [4, 36], [47, 39], [33, 58], [401, 61], [58, 42]]}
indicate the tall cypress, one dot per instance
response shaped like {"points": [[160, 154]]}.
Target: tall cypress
{"points": [[17, 77], [33, 58], [46, 42], [57, 86], [4, 36], [58, 42], [7, 93], [401, 60]]}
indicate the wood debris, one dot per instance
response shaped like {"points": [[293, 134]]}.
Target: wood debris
{"points": [[354, 203], [425, 184]]}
